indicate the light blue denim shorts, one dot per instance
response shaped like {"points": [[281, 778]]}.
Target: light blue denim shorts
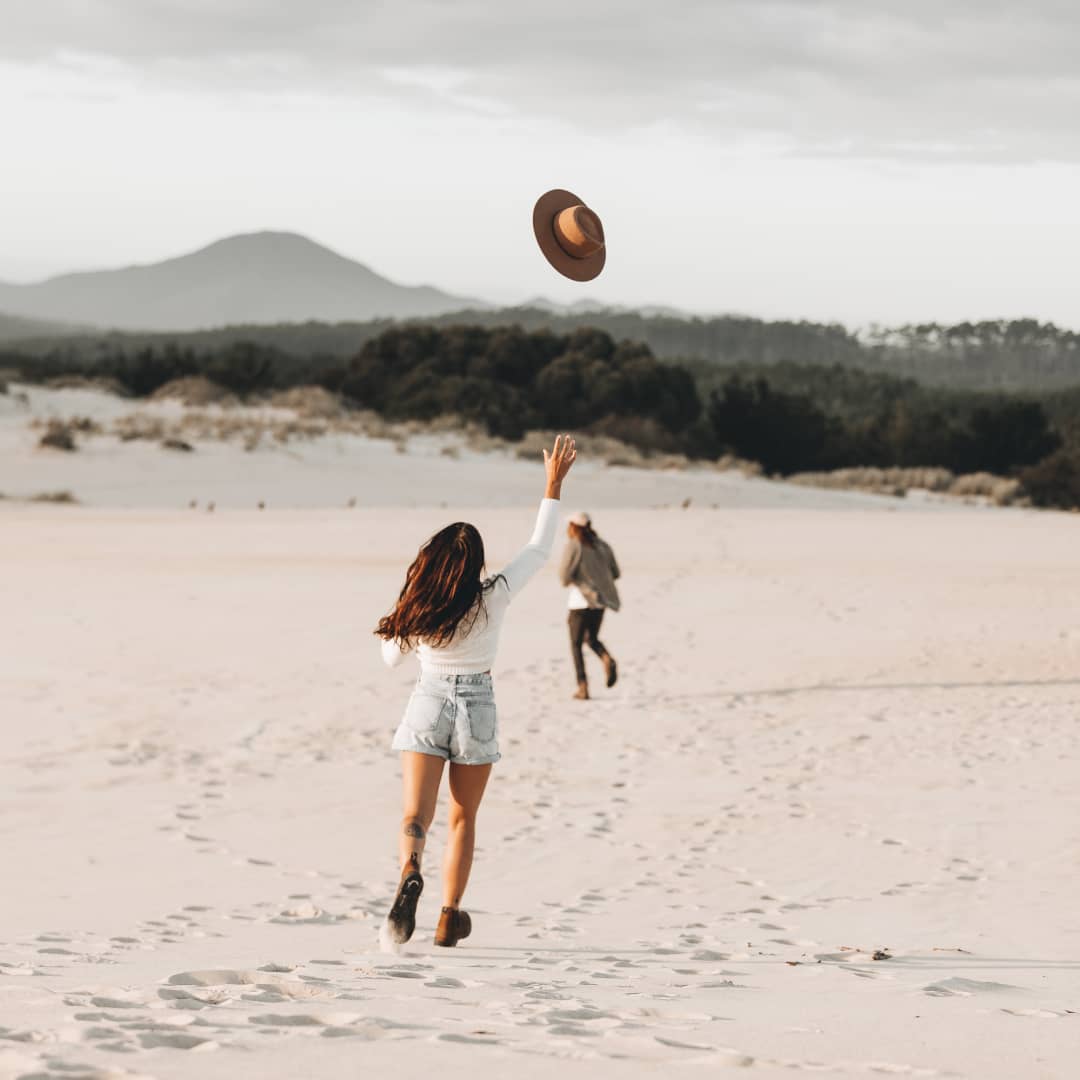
{"points": [[452, 717]]}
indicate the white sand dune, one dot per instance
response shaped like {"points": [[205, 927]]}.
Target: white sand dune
{"points": [[839, 734], [337, 470]]}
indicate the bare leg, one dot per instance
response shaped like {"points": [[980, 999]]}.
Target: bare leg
{"points": [[467, 783], [420, 774]]}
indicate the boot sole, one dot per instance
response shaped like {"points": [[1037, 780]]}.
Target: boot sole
{"points": [[401, 922]]}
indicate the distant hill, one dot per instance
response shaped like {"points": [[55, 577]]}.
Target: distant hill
{"points": [[723, 340], [264, 277], [1021, 355], [16, 327], [596, 307]]}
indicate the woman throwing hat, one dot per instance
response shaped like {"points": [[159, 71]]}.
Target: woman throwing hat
{"points": [[450, 614], [589, 569]]}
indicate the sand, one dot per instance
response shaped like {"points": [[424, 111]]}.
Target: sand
{"points": [[845, 728]]}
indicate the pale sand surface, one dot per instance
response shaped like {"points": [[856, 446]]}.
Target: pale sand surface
{"points": [[842, 727], [835, 732]]}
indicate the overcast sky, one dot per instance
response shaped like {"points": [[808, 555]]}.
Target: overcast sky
{"points": [[856, 160]]}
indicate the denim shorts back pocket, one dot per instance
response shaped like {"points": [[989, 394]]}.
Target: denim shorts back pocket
{"points": [[482, 720], [424, 712]]}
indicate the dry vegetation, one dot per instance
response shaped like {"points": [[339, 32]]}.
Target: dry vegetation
{"points": [[309, 403], [57, 497], [310, 412], [83, 382], [58, 435], [194, 390], [999, 490]]}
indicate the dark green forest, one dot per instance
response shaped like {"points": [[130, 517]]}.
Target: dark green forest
{"points": [[1019, 355], [790, 416]]}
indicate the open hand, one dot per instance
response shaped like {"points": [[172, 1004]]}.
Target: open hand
{"points": [[557, 462]]}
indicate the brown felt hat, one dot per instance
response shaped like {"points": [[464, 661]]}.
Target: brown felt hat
{"points": [[569, 234]]}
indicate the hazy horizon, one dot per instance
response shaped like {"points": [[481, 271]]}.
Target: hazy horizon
{"points": [[857, 163]]}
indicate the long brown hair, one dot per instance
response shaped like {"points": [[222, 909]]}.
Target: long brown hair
{"points": [[585, 534], [443, 589]]}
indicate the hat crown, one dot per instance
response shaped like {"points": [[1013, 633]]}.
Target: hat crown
{"points": [[578, 231]]}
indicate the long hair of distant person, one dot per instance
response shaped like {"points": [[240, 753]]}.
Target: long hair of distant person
{"points": [[584, 534]]}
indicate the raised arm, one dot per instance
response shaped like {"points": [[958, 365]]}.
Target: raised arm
{"points": [[524, 565]]}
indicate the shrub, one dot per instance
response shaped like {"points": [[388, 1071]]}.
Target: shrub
{"points": [[730, 463], [1055, 481], [1000, 490], [58, 436], [311, 402], [139, 426], [194, 390], [644, 432]]}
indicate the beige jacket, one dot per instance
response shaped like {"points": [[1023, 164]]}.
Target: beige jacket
{"points": [[593, 570]]}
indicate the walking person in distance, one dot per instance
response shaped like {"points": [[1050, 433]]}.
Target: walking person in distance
{"points": [[589, 570], [449, 614]]}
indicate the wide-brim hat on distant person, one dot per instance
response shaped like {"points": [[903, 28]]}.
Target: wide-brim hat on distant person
{"points": [[570, 235], [581, 518]]}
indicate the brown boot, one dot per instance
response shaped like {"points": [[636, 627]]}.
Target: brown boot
{"points": [[582, 692], [454, 924], [610, 669]]}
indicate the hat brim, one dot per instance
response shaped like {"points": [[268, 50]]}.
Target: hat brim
{"points": [[547, 206]]}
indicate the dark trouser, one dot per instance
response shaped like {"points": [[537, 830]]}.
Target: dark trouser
{"points": [[584, 628]]}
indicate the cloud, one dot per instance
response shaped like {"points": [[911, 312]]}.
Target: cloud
{"points": [[946, 80]]}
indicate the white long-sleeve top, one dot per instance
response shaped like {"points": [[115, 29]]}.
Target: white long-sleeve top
{"points": [[473, 652]]}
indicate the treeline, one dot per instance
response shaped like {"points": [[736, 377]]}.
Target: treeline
{"points": [[790, 432], [504, 378], [803, 419], [1016, 354], [798, 418], [1020, 355]]}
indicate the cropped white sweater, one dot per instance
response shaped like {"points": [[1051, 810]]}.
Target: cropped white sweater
{"points": [[474, 651]]}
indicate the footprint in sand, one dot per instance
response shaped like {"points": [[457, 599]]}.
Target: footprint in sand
{"points": [[151, 1040], [960, 987], [1042, 1014]]}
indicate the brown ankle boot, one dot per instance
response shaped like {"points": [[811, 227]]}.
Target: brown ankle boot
{"points": [[610, 669], [454, 924], [582, 691]]}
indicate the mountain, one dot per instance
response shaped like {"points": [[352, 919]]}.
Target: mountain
{"points": [[16, 328], [264, 277]]}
